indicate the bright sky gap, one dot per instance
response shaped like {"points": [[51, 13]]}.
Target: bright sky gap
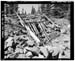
{"points": [[27, 7]]}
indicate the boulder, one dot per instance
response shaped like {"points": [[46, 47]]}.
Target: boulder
{"points": [[30, 42], [44, 51], [28, 54]]}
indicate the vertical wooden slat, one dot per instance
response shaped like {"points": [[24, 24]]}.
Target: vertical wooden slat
{"points": [[30, 25], [35, 29]]}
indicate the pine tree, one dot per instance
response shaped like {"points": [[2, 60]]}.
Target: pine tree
{"points": [[39, 10], [55, 10], [43, 8], [18, 12], [22, 11], [25, 13], [33, 11]]}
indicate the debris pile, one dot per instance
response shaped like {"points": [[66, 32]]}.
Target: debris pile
{"points": [[50, 41]]}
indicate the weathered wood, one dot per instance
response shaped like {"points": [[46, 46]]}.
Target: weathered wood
{"points": [[29, 30], [49, 19], [43, 28], [21, 21]]}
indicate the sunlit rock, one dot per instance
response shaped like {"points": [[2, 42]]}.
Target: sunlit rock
{"points": [[33, 49], [55, 51], [40, 56], [21, 56], [35, 57], [44, 51], [9, 42], [49, 48], [18, 50], [28, 54]]}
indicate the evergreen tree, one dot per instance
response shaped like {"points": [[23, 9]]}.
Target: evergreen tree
{"points": [[55, 10], [22, 11], [18, 12], [13, 7], [43, 8], [25, 13], [33, 11], [39, 10]]}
